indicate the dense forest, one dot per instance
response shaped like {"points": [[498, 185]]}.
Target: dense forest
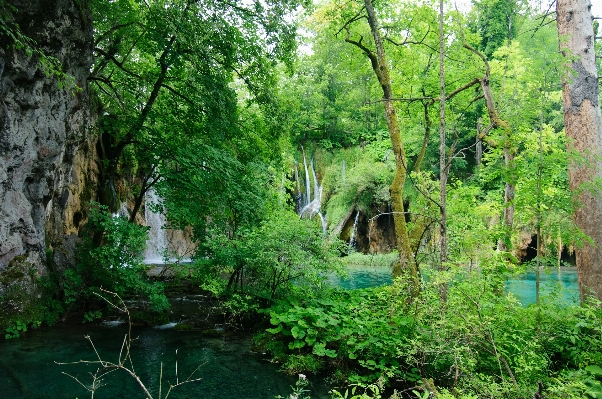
{"points": [[280, 141]]}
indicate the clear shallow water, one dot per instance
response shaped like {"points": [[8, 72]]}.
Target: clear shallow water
{"points": [[361, 276], [563, 283], [523, 288], [228, 369]]}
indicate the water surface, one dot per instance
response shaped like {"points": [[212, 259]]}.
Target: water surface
{"points": [[229, 370], [561, 282]]}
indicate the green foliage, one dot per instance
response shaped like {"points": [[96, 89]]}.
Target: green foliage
{"points": [[282, 255], [110, 257], [373, 260], [177, 80], [19, 309], [368, 391], [15, 330], [365, 187], [480, 342], [299, 391], [341, 326]]}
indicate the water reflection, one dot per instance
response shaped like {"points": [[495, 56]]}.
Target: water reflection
{"points": [[228, 369]]}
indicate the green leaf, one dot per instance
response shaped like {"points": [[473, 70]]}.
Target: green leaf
{"points": [[274, 330], [594, 369], [297, 344], [297, 332]]}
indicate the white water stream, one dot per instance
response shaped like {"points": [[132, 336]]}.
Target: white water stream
{"points": [[156, 244], [311, 208]]}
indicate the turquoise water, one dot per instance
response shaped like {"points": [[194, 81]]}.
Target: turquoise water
{"points": [[561, 282], [361, 276], [522, 288], [228, 369]]}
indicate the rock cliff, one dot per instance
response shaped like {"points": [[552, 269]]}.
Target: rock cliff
{"points": [[47, 167]]}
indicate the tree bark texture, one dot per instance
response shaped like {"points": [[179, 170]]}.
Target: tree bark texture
{"points": [[406, 264], [582, 120]]}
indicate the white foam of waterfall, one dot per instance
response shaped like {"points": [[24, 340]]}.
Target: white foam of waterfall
{"points": [[353, 239], [307, 183], [317, 188], [312, 207], [157, 235], [324, 225]]}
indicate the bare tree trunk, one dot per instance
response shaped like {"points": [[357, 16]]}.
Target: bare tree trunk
{"points": [[582, 123]]}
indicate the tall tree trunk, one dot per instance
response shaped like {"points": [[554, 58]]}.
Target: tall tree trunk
{"points": [[406, 264], [443, 167], [582, 123]]}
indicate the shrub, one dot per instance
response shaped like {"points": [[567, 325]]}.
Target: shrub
{"points": [[110, 257]]}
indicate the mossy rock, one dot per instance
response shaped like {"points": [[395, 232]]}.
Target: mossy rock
{"points": [[149, 317], [183, 327]]}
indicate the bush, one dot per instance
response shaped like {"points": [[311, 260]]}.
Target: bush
{"points": [[282, 255], [480, 342], [110, 257]]}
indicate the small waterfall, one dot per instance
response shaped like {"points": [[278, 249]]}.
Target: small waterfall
{"points": [[311, 207], [307, 183], [317, 188], [123, 211], [324, 225], [156, 244], [353, 240]]}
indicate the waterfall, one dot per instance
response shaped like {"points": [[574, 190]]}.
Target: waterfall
{"points": [[307, 183], [324, 225], [317, 188], [353, 239], [311, 207], [156, 244]]}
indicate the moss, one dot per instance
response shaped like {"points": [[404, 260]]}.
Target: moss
{"points": [[183, 327], [149, 317], [18, 306]]}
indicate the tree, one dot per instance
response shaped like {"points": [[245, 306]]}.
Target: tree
{"points": [[164, 73], [379, 62], [583, 127]]}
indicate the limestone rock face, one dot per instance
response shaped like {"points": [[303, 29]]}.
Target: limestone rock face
{"points": [[47, 167]]}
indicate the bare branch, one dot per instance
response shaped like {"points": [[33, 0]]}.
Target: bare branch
{"points": [[406, 41], [118, 63]]}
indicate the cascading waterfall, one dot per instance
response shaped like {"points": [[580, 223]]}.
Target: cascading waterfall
{"points": [[307, 184], [317, 188], [157, 235], [311, 207], [353, 240]]}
